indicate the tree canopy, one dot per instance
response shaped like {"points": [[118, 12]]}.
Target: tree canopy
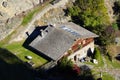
{"points": [[89, 12]]}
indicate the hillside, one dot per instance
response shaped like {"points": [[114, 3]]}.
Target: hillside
{"points": [[19, 18], [11, 12]]}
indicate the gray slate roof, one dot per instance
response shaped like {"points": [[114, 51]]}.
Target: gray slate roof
{"points": [[83, 33], [59, 39]]}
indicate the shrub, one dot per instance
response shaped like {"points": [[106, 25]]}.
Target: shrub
{"points": [[76, 70], [65, 64], [115, 26], [68, 67], [97, 55]]}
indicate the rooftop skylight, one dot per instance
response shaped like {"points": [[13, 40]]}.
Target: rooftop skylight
{"points": [[70, 30]]}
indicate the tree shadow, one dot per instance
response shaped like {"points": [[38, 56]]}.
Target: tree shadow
{"points": [[12, 68], [116, 7], [36, 32], [59, 74], [118, 57], [86, 73]]}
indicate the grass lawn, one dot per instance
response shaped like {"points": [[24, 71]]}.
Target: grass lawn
{"points": [[12, 58], [17, 49], [106, 76], [11, 68], [112, 64]]}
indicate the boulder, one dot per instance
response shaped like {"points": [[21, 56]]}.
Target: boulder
{"points": [[4, 4]]}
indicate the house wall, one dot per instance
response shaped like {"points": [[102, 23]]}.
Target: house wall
{"points": [[81, 53], [81, 43]]}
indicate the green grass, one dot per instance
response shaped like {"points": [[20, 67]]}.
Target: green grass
{"points": [[112, 64], [17, 49], [12, 68], [106, 76], [28, 17]]}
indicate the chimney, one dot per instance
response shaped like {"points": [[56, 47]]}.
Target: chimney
{"points": [[43, 33]]}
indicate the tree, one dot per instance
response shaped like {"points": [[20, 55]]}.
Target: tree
{"points": [[73, 11], [116, 9], [108, 36], [97, 55], [90, 12], [68, 66], [65, 63]]}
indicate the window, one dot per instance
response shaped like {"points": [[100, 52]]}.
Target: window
{"points": [[73, 32]]}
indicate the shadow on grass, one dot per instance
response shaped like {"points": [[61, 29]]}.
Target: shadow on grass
{"points": [[12, 68], [31, 37]]}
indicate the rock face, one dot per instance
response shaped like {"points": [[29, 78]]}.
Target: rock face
{"points": [[53, 16], [9, 9], [8, 26]]}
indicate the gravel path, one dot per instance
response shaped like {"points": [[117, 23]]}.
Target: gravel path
{"points": [[113, 72]]}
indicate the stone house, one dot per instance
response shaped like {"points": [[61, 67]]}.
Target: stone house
{"points": [[67, 39]]}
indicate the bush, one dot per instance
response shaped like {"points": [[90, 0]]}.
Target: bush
{"points": [[115, 26], [97, 55], [107, 36], [65, 64], [68, 67], [76, 70]]}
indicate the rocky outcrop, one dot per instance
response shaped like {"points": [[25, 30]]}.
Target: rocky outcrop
{"points": [[38, 18], [8, 26], [10, 8], [53, 16], [9, 11]]}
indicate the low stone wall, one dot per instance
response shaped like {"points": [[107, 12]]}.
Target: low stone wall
{"points": [[48, 65]]}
